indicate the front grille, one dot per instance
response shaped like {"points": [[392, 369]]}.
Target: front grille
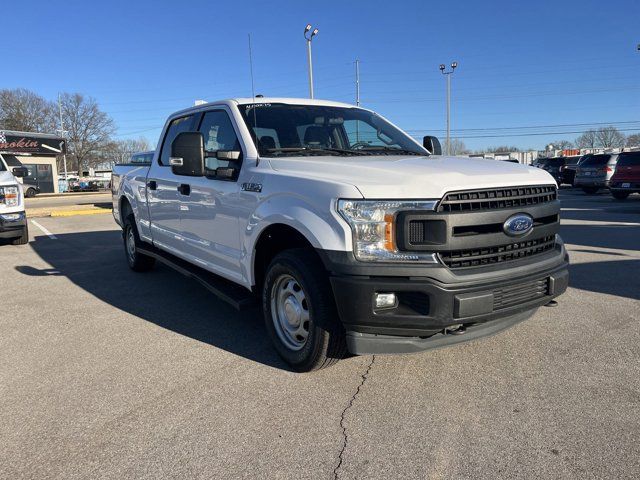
{"points": [[513, 295], [491, 199], [475, 257]]}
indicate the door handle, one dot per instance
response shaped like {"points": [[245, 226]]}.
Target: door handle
{"points": [[152, 184], [184, 189]]}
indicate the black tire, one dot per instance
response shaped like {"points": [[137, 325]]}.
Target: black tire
{"points": [[620, 195], [30, 193], [22, 239], [136, 260], [325, 340], [590, 190]]}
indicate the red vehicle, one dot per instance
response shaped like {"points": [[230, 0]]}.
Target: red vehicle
{"points": [[626, 178]]}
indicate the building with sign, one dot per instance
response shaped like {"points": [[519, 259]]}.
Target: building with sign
{"points": [[38, 152]]}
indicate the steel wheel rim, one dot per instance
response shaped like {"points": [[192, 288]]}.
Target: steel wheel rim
{"points": [[290, 312], [131, 245]]}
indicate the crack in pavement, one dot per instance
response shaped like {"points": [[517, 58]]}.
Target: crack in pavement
{"points": [[365, 375]]}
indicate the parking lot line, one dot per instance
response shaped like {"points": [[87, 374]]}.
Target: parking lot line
{"points": [[44, 230]]}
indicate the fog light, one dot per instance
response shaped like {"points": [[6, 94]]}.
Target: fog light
{"points": [[386, 300]]}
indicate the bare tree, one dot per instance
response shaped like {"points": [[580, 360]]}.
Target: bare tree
{"points": [[633, 140], [562, 144], [88, 128], [588, 139], [500, 148], [458, 147], [24, 110], [610, 137], [120, 151]]}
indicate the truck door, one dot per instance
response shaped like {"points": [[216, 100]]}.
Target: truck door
{"points": [[209, 212], [162, 192]]}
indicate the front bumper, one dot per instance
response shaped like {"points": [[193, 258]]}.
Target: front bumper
{"points": [[12, 228], [433, 300]]}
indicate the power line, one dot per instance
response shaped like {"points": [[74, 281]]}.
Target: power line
{"points": [[626, 122]]}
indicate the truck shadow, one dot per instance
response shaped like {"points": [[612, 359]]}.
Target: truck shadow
{"points": [[94, 261]]}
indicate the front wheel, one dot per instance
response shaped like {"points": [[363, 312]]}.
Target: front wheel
{"points": [[137, 261], [23, 239], [300, 313], [30, 193], [589, 190], [620, 195]]}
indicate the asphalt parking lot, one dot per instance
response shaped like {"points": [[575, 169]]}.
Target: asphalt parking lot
{"points": [[110, 374]]}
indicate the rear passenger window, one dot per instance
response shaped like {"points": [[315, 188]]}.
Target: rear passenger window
{"points": [[177, 125]]}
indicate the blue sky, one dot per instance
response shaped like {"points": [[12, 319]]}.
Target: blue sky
{"points": [[521, 64]]}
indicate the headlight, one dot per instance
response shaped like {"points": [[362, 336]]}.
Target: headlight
{"points": [[10, 196], [373, 225]]}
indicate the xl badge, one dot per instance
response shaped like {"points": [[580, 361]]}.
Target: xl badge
{"points": [[518, 225]]}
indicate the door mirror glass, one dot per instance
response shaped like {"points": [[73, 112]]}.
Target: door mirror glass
{"points": [[187, 154], [20, 171], [432, 144]]}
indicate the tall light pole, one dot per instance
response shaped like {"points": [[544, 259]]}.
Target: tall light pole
{"points": [[62, 134], [357, 82], [309, 37], [448, 75]]}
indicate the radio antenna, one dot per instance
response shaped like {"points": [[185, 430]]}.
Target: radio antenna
{"points": [[253, 94]]}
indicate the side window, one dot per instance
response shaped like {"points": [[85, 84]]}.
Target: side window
{"points": [[177, 125], [218, 132]]}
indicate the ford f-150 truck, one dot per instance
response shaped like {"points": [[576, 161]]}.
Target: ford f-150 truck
{"points": [[13, 220], [350, 234]]}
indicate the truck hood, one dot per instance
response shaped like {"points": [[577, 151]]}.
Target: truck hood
{"points": [[412, 177], [7, 178]]}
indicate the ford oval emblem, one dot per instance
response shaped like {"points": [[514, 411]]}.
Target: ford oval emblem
{"points": [[518, 225]]}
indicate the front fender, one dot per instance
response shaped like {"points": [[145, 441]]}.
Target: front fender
{"points": [[318, 222]]}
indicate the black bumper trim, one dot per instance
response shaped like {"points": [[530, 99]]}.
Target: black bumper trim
{"points": [[12, 228], [368, 344]]}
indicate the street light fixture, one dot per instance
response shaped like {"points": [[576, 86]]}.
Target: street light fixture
{"points": [[309, 36], [442, 68]]}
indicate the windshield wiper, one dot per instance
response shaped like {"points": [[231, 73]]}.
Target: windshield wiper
{"points": [[391, 150], [313, 151]]}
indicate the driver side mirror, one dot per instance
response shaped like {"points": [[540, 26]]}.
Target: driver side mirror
{"points": [[432, 144], [187, 154], [20, 171]]}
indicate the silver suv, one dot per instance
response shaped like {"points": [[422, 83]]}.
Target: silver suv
{"points": [[595, 171]]}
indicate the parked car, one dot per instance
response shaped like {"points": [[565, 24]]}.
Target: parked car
{"points": [[13, 220], [595, 172], [554, 166], [568, 170], [350, 234], [626, 178]]}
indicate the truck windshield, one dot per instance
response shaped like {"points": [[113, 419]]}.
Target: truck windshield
{"points": [[280, 129]]}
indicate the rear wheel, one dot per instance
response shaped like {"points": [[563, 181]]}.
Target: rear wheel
{"points": [[300, 313], [589, 190], [137, 261], [22, 239], [30, 193], [620, 195]]}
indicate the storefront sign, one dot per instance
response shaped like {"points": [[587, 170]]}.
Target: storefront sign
{"points": [[12, 142]]}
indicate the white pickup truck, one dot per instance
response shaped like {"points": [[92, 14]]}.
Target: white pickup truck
{"points": [[13, 220], [351, 235]]}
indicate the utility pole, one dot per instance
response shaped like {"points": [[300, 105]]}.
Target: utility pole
{"points": [[309, 37], [62, 134], [448, 75], [357, 82]]}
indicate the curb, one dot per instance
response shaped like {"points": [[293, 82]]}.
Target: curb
{"points": [[67, 213]]}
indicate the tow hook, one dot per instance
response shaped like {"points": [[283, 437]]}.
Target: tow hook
{"points": [[458, 329]]}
